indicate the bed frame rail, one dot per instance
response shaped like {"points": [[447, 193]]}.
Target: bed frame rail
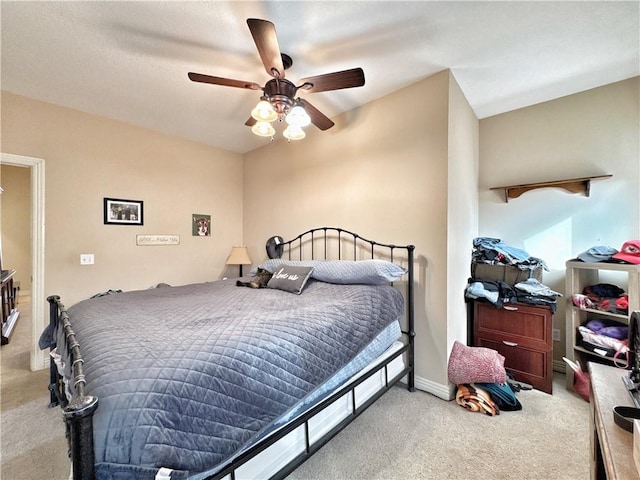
{"points": [[77, 414], [304, 419]]}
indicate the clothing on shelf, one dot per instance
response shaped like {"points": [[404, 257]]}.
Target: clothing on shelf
{"points": [[499, 293], [603, 296], [597, 253], [495, 251], [532, 292]]}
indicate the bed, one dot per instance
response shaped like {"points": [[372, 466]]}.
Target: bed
{"points": [[220, 381]]}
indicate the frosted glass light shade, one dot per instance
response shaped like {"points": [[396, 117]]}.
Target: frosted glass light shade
{"points": [[264, 112], [298, 117], [263, 129], [293, 132]]}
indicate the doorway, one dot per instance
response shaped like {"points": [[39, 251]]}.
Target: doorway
{"points": [[38, 358]]}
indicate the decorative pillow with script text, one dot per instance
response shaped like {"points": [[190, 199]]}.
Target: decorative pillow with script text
{"points": [[290, 278]]}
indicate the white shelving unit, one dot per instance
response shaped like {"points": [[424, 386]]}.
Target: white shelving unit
{"points": [[582, 274]]}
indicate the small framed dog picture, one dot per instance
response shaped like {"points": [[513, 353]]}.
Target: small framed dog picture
{"points": [[201, 225]]}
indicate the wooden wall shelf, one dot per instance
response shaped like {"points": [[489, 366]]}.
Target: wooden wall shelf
{"points": [[573, 185]]}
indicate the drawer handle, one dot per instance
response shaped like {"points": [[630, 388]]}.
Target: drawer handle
{"points": [[507, 307], [510, 344]]}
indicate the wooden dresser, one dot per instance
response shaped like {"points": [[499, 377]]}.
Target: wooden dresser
{"points": [[523, 335]]}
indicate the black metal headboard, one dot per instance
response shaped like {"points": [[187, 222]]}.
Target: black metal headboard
{"points": [[326, 242], [337, 243]]}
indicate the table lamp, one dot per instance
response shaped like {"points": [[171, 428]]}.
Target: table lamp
{"points": [[239, 256]]}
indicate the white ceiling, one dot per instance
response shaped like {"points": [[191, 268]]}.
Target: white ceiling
{"points": [[129, 60]]}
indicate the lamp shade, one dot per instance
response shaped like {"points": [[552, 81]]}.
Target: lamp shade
{"points": [[239, 256]]}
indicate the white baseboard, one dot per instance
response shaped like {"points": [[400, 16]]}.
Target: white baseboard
{"points": [[559, 366], [445, 392], [448, 392]]}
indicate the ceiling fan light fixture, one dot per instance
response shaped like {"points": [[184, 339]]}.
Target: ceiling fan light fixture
{"points": [[293, 132], [263, 129], [264, 112], [278, 99], [298, 117]]}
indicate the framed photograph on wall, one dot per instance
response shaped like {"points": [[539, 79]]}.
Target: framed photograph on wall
{"points": [[123, 212], [201, 225]]}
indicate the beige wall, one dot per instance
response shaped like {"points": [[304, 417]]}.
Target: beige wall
{"points": [[15, 223], [462, 211], [88, 158], [590, 133], [383, 171], [401, 169]]}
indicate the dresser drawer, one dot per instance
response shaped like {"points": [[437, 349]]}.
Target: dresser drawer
{"points": [[526, 365], [520, 333], [522, 324]]}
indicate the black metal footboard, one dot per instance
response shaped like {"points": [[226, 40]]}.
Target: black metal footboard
{"points": [[78, 413]]}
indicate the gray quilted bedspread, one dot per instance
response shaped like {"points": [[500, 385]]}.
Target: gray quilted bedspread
{"points": [[188, 375]]}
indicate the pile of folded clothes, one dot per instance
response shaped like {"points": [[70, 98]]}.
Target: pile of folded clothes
{"points": [[603, 336], [533, 292], [483, 384], [529, 291], [495, 252], [503, 274], [603, 296], [606, 337]]}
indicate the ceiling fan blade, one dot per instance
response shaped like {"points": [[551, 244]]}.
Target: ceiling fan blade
{"points": [[227, 82], [251, 122], [264, 35], [334, 81], [318, 118]]}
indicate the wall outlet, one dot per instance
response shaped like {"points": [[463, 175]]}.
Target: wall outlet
{"points": [[556, 334], [86, 259]]}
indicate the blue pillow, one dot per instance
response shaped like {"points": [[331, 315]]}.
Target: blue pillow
{"points": [[272, 264], [345, 272], [368, 272]]}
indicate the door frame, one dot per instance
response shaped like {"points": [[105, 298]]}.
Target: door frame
{"points": [[38, 358]]}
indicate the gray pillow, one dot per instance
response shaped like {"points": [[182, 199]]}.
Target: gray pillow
{"points": [[290, 278], [274, 264], [368, 272], [346, 272]]}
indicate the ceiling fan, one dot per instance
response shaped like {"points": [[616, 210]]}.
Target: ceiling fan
{"points": [[279, 99]]}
